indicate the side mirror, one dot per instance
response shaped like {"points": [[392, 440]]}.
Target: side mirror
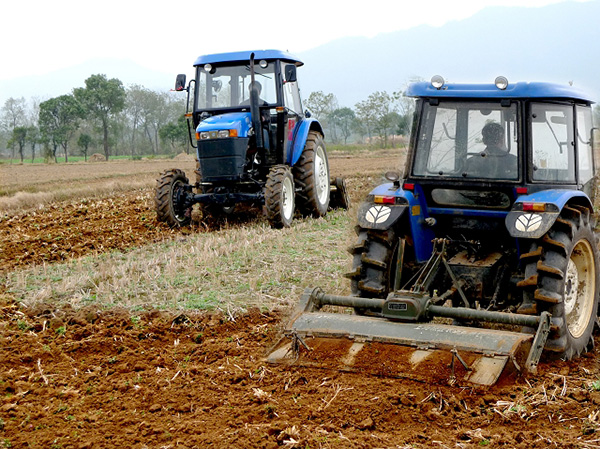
{"points": [[290, 73], [180, 82]]}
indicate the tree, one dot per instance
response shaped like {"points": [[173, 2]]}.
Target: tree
{"points": [[19, 139], [134, 111], [59, 119], [33, 138], [175, 132], [365, 119], [84, 142], [406, 109], [102, 99], [376, 115], [343, 119], [320, 104], [12, 115]]}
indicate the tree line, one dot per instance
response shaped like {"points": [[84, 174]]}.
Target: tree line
{"points": [[106, 117], [103, 116], [378, 120]]}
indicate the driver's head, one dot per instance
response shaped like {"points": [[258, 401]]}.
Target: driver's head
{"points": [[258, 87], [492, 133]]}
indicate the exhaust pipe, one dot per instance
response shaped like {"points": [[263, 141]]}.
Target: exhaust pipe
{"points": [[254, 107]]}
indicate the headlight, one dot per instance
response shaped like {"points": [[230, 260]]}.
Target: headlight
{"points": [[437, 82], [501, 82], [220, 134]]}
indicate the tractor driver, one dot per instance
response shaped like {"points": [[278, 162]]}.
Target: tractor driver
{"points": [[265, 114], [261, 102], [495, 161]]}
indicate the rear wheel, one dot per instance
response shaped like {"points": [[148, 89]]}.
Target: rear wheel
{"points": [[279, 196], [375, 257], [561, 277], [311, 173], [169, 196]]}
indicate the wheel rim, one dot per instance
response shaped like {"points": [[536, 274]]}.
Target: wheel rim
{"points": [[177, 211], [287, 198], [580, 285], [322, 175]]}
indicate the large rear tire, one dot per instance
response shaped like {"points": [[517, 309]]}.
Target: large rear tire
{"points": [[167, 200], [562, 277], [311, 174], [279, 197], [375, 257]]}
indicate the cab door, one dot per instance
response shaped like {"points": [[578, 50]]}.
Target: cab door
{"points": [[293, 108]]}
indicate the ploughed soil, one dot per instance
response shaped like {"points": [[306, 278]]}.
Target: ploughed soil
{"points": [[84, 379], [110, 379]]}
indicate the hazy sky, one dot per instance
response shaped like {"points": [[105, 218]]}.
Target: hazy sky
{"points": [[39, 36]]}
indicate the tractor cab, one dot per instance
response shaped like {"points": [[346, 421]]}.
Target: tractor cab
{"points": [[524, 137], [480, 151], [236, 94]]}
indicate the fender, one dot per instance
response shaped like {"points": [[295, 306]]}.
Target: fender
{"points": [[372, 215], [533, 215], [299, 136]]}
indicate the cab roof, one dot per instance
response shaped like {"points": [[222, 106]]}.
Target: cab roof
{"points": [[521, 90], [244, 56]]}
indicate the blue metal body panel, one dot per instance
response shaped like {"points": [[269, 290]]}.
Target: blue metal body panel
{"points": [[533, 225], [418, 211], [487, 91], [299, 136], [240, 121], [558, 197], [244, 56], [468, 212]]}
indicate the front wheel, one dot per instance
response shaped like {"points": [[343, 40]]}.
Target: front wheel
{"points": [[279, 197], [169, 198], [562, 277]]}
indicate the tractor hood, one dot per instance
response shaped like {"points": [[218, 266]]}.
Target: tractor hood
{"points": [[238, 121]]}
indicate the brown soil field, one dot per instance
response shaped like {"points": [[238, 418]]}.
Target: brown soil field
{"points": [[90, 378]]}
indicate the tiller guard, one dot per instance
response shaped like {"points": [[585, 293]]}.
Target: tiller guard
{"points": [[400, 343]]}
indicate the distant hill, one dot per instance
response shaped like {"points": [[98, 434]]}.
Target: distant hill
{"points": [[553, 43], [557, 43]]}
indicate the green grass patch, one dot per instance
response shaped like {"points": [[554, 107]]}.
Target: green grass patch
{"points": [[232, 269]]}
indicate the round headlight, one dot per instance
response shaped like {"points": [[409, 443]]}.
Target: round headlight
{"points": [[207, 67], [437, 81], [263, 63], [501, 82]]}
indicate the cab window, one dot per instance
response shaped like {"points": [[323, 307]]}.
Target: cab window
{"points": [[553, 151]]}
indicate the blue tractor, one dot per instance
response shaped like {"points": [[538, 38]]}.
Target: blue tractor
{"points": [[491, 222], [254, 142]]}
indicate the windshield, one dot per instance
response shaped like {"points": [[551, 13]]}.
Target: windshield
{"points": [[228, 87], [468, 140]]}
